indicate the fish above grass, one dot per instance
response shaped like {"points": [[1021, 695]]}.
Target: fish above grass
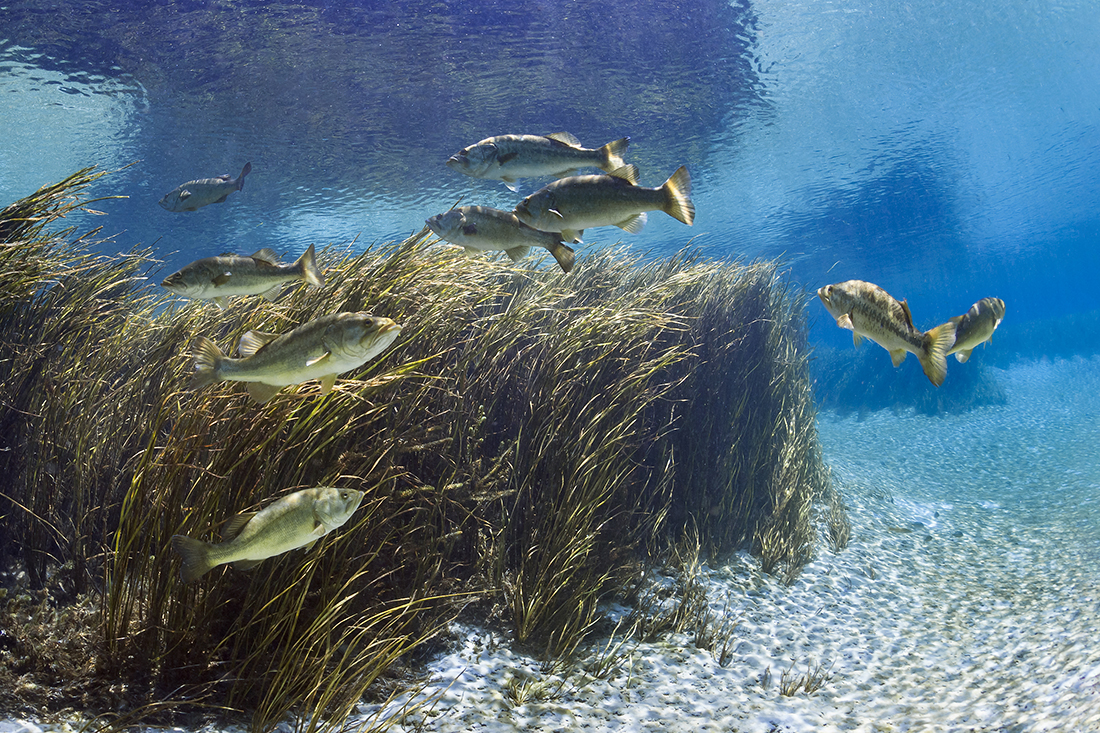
{"points": [[320, 349], [194, 195], [510, 157], [869, 311], [218, 278], [571, 205], [296, 520], [976, 326], [482, 229]]}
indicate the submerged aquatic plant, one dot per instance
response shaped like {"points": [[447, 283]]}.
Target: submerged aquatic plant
{"points": [[529, 439]]}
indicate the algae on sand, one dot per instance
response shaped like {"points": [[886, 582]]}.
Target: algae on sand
{"points": [[529, 440]]}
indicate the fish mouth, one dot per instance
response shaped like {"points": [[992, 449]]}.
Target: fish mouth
{"points": [[456, 161]]}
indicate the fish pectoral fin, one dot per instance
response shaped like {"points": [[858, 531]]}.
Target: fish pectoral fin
{"points": [[234, 526], [469, 230], [897, 356], [502, 159], [319, 529], [327, 383], [963, 356], [518, 253], [634, 224], [319, 359], [222, 279], [556, 213], [246, 564], [274, 292], [185, 194], [260, 392], [253, 341], [845, 321], [510, 184]]}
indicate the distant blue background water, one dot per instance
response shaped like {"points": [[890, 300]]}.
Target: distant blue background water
{"points": [[947, 150]]}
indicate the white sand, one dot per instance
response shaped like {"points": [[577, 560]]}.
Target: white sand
{"points": [[966, 601]]}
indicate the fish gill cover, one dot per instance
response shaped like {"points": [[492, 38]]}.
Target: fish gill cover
{"points": [[532, 442]]}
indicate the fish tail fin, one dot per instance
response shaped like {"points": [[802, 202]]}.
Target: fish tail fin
{"points": [[195, 555], [613, 154], [937, 342], [208, 358], [307, 263], [563, 253], [678, 190], [244, 172]]}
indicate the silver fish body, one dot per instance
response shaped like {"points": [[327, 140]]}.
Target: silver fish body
{"points": [[294, 521], [510, 157], [976, 326], [869, 311], [193, 195], [571, 205], [218, 278], [483, 229], [320, 349]]}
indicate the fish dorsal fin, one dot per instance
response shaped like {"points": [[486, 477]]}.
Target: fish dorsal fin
{"points": [[266, 256], [236, 524], [253, 341], [565, 137], [628, 172], [908, 315]]}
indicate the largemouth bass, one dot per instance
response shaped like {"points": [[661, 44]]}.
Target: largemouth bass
{"points": [[976, 326], [319, 349], [218, 278], [869, 311], [296, 520], [571, 205], [482, 229], [194, 195], [510, 157]]}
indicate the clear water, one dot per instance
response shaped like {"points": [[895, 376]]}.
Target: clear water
{"points": [[947, 150]]}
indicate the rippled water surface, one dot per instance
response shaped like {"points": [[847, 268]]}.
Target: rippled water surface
{"points": [[945, 151]]}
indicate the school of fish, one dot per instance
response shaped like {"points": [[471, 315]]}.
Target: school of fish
{"points": [[555, 214]]}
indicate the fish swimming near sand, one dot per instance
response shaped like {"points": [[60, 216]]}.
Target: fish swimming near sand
{"points": [[320, 349], [869, 311], [218, 278], [194, 195], [482, 229], [296, 520], [571, 205], [976, 326], [510, 157]]}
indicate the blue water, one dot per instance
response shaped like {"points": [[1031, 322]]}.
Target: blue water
{"points": [[946, 151]]}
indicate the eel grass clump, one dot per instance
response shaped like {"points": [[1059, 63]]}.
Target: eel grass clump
{"points": [[527, 444]]}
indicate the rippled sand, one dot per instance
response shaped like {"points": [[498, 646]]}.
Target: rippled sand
{"points": [[968, 599]]}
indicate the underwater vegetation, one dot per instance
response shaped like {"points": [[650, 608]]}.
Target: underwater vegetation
{"points": [[531, 440]]}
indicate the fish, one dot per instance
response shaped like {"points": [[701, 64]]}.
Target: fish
{"points": [[296, 520], [976, 326], [510, 157], [217, 278], [571, 205], [869, 311], [319, 349], [193, 195], [482, 229]]}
